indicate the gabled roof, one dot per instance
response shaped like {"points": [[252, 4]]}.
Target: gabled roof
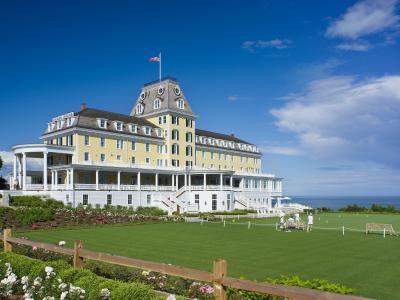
{"points": [[168, 91], [221, 136]]}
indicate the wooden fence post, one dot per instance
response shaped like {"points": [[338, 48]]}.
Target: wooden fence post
{"points": [[7, 246], [219, 271], [78, 261]]}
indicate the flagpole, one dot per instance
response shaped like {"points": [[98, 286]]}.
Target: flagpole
{"points": [[159, 67]]}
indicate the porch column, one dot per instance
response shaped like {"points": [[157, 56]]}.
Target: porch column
{"points": [[260, 184], [19, 172], [119, 180], [156, 179], [68, 185], [221, 178], [71, 172], [52, 180], [24, 171], [177, 182], [12, 184], [185, 177], [138, 181], [231, 182], [242, 184], [190, 182], [204, 181], [56, 179], [173, 182], [97, 180], [45, 171]]}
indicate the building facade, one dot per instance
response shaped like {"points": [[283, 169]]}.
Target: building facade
{"points": [[156, 156]]}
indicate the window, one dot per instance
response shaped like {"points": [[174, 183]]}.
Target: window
{"points": [[102, 142], [148, 197], [175, 120], [59, 141], [159, 120], [87, 140], [139, 108], [159, 162], [147, 130], [86, 156], [212, 155], [70, 140], [129, 199], [133, 128], [148, 160], [175, 135], [109, 199], [159, 132], [102, 157], [189, 123], [133, 160], [188, 137], [180, 103], [147, 147], [120, 144], [175, 163], [159, 149], [219, 156], [157, 103], [85, 199], [197, 200], [214, 202], [102, 123], [165, 119], [189, 163], [118, 126], [118, 157], [188, 150], [203, 154], [175, 149]]}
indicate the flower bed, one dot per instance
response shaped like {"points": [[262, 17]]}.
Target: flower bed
{"points": [[33, 279]]}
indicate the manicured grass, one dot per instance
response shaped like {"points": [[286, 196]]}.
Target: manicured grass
{"points": [[368, 263]]}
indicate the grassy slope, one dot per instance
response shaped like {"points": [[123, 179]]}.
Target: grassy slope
{"points": [[367, 263]]}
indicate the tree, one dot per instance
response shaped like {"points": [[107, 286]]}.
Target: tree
{"points": [[3, 182]]}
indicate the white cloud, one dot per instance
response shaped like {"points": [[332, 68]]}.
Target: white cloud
{"points": [[7, 157], [354, 46], [236, 98], [261, 44], [290, 151], [8, 162], [365, 18], [341, 117]]}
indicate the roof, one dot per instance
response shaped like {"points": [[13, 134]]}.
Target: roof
{"points": [[168, 93], [221, 136], [87, 118]]}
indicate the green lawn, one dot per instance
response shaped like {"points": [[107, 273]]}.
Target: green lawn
{"points": [[369, 263]]}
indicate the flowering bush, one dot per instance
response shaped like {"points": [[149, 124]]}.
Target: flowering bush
{"points": [[33, 279]]}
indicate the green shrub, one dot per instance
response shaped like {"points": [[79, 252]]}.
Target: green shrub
{"points": [[35, 201], [132, 291], [150, 211]]}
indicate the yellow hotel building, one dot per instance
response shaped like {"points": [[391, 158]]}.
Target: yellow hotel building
{"points": [[155, 156]]}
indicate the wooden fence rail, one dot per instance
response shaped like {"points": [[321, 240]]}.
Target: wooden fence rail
{"points": [[219, 278]]}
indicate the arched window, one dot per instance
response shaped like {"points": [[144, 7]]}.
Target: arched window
{"points": [[180, 103], [139, 108], [175, 135], [175, 149], [188, 137], [188, 150], [157, 103]]}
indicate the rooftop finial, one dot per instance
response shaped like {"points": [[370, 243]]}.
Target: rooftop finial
{"points": [[83, 106]]}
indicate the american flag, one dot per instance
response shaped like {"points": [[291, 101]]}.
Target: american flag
{"points": [[154, 58]]}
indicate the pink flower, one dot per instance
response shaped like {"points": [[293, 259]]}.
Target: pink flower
{"points": [[34, 248], [171, 297]]}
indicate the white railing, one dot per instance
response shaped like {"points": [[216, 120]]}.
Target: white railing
{"points": [[129, 187], [34, 187], [84, 186], [124, 165], [165, 188]]}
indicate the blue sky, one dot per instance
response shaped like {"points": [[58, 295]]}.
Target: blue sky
{"points": [[316, 84]]}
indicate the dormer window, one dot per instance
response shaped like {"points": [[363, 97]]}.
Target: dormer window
{"points": [[142, 95], [160, 90], [60, 124], [180, 103], [211, 141], [147, 130], [177, 91], [70, 121], [157, 103], [102, 123], [159, 132], [133, 128], [118, 126], [50, 126], [139, 108]]}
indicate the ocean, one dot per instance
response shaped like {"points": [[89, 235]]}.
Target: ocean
{"points": [[338, 202]]}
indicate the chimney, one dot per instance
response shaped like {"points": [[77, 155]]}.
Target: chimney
{"points": [[232, 134], [83, 106]]}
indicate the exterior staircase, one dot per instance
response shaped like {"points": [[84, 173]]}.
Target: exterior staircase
{"points": [[241, 202]]}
